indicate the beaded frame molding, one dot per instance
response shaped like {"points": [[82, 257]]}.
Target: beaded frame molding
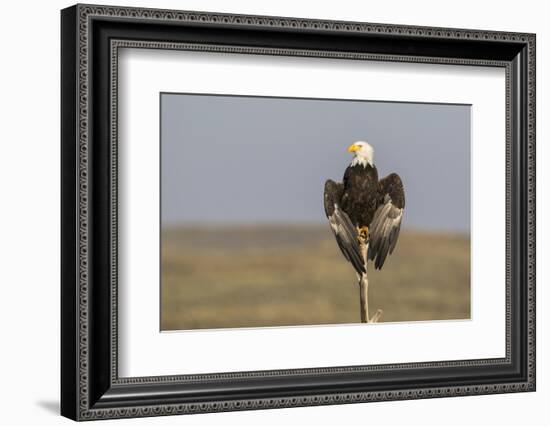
{"points": [[91, 38]]}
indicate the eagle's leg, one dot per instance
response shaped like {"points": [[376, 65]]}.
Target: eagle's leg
{"points": [[363, 235]]}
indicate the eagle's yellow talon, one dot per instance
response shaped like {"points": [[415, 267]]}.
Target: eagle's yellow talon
{"points": [[363, 234]]}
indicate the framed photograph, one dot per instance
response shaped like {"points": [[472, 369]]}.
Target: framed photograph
{"points": [[263, 212]]}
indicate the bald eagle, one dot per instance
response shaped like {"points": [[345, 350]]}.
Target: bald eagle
{"points": [[365, 213]]}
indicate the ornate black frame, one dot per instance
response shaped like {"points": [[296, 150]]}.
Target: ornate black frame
{"points": [[91, 37]]}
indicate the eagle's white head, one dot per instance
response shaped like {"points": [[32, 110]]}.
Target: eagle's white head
{"points": [[363, 154]]}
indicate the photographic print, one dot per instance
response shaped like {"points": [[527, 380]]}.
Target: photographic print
{"points": [[299, 211], [291, 190]]}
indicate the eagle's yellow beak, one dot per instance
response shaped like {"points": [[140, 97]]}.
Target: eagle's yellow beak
{"points": [[353, 148]]}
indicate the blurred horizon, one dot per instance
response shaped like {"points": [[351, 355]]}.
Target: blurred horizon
{"points": [[213, 225]]}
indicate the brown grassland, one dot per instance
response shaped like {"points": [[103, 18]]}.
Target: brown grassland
{"points": [[274, 275]]}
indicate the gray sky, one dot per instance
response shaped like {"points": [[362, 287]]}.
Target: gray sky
{"points": [[229, 159]]}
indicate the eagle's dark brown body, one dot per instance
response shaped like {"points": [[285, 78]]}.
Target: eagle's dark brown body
{"points": [[361, 195], [364, 201]]}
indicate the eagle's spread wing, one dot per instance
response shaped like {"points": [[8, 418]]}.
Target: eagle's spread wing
{"points": [[385, 226], [340, 223]]}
